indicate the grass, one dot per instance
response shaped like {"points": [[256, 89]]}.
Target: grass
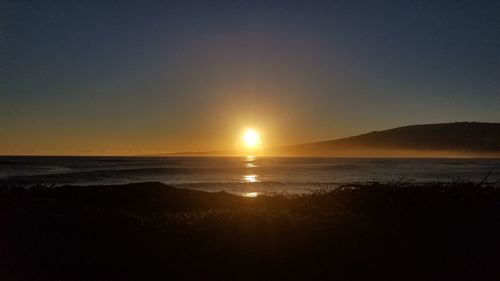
{"points": [[399, 231]]}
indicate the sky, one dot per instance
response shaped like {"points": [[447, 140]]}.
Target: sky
{"points": [[146, 77]]}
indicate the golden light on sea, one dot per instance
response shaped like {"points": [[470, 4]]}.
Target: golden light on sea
{"points": [[250, 178], [251, 194]]}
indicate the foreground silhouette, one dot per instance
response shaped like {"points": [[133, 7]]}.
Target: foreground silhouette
{"points": [[150, 231]]}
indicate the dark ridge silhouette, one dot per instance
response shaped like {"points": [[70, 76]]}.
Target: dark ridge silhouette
{"points": [[462, 138]]}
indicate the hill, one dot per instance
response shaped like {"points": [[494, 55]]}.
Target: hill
{"points": [[449, 139]]}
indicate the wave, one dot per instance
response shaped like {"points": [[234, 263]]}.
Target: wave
{"points": [[46, 177]]}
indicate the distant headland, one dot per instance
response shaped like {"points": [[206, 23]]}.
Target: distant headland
{"points": [[460, 139]]}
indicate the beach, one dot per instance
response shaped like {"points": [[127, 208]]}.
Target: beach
{"points": [[391, 231]]}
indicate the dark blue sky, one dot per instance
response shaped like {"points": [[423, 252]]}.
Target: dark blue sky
{"points": [[120, 77]]}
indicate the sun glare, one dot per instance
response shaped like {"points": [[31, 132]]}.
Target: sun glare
{"points": [[251, 138]]}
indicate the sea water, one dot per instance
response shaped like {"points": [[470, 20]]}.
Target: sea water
{"points": [[244, 175]]}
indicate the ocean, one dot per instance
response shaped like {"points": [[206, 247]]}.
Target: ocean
{"points": [[242, 175]]}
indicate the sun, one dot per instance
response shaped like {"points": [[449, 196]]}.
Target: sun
{"points": [[251, 138]]}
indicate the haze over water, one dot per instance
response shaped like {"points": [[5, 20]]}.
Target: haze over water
{"points": [[243, 175]]}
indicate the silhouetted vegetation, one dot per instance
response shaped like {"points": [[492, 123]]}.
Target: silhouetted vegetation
{"points": [[149, 231]]}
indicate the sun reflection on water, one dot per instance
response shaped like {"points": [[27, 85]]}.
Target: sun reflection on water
{"points": [[251, 194], [250, 178], [250, 175]]}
